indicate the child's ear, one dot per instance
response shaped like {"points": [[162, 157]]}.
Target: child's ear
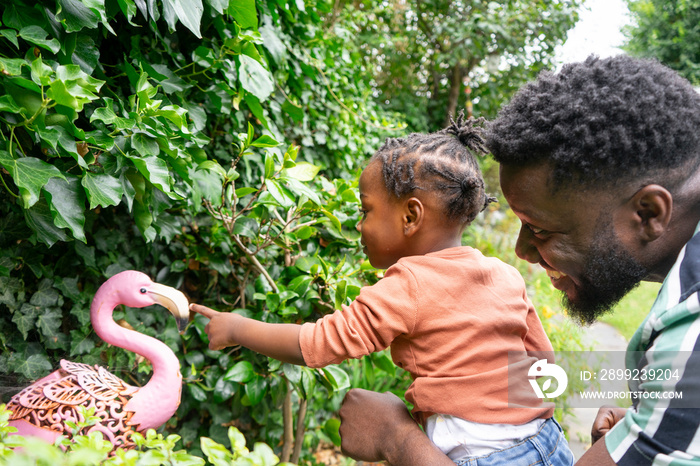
{"points": [[414, 213]]}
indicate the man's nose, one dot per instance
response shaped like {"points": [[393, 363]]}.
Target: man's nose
{"points": [[524, 248], [358, 227]]}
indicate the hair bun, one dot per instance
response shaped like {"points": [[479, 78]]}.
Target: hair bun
{"points": [[469, 184], [468, 133]]}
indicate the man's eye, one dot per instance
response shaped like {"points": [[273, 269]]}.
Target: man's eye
{"points": [[535, 230], [363, 212]]}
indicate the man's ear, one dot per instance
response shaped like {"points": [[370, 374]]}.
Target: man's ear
{"points": [[414, 214], [652, 206]]}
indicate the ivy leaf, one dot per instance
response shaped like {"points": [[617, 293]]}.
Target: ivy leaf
{"points": [[175, 114], [154, 169], [169, 81], [189, 12], [13, 66], [144, 144], [51, 135], [25, 319], [243, 11], [144, 219], [11, 35], [80, 311], [40, 71], [46, 295], [80, 343], [9, 287], [104, 114], [102, 189], [66, 199], [218, 5], [273, 44], [8, 104], [35, 366], [255, 78], [30, 175], [66, 141], [40, 220], [38, 36], [73, 88], [49, 321], [69, 288], [128, 8], [75, 15], [86, 54]]}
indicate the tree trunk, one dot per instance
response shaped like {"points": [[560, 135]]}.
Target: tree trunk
{"points": [[301, 429], [288, 422], [456, 82]]}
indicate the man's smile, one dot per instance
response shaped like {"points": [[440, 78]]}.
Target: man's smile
{"points": [[556, 278]]}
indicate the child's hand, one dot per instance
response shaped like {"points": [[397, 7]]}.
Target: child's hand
{"points": [[219, 327]]}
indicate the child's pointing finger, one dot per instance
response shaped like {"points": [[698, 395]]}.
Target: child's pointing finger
{"points": [[205, 311]]}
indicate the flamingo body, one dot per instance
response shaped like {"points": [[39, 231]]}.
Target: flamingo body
{"points": [[41, 409]]}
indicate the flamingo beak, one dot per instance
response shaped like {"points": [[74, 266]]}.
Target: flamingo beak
{"points": [[174, 301]]}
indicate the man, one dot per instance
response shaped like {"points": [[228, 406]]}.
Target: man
{"points": [[601, 163]]}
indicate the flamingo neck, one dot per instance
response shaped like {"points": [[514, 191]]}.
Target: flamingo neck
{"points": [[166, 366]]}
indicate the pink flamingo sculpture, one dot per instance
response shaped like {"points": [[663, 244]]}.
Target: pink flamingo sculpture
{"points": [[41, 409]]}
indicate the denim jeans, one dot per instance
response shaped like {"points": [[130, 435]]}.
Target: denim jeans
{"points": [[546, 448]]}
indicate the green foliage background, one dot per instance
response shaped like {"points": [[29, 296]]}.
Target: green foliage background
{"points": [[216, 145], [669, 31]]}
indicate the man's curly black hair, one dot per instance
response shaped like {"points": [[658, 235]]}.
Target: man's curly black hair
{"points": [[602, 119]]}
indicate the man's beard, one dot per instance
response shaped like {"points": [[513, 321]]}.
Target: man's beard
{"points": [[609, 274]]}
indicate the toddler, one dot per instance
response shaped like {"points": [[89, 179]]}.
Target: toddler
{"points": [[449, 314]]}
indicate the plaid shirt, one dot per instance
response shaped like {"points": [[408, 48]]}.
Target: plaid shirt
{"points": [[657, 430]]}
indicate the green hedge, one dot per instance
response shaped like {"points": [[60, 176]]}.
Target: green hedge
{"points": [[212, 145]]}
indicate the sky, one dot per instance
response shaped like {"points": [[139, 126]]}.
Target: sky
{"points": [[597, 31]]}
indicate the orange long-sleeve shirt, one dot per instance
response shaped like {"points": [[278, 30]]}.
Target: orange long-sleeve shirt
{"points": [[450, 317]]}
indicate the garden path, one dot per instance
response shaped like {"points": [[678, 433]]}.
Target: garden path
{"points": [[602, 337]]}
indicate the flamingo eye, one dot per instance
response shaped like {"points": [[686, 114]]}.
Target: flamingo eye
{"points": [[143, 290]]}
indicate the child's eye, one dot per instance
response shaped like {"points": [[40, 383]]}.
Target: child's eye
{"points": [[363, 212]]}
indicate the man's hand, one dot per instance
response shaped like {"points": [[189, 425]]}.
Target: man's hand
{"points": [[219, 326], [378, 427], [365, 419], [606, 418]]}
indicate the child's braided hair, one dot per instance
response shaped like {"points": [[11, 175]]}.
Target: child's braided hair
{"points": [[442, 163]]}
